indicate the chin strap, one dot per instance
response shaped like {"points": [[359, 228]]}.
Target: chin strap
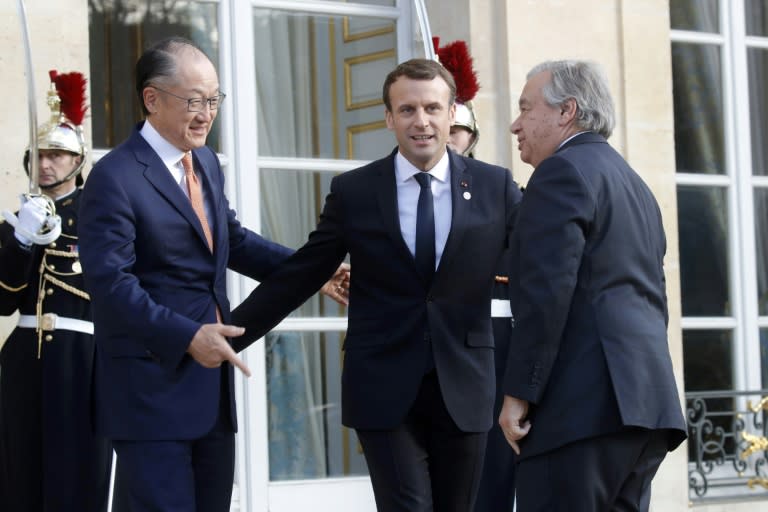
{"points": [[50, 230]]}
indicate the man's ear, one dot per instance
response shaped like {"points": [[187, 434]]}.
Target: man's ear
{"points": [[389, 119], [150, 97], [568, 111]]}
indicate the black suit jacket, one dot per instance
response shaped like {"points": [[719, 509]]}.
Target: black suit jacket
{"points": [[589, 347], [393, 316]]}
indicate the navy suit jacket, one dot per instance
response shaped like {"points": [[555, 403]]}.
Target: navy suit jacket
{"points": [[393, 316], [589, 348], [153, 283]]}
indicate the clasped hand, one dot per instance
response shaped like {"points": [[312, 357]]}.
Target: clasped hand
{"points": [[512, 421], [210, 347]]}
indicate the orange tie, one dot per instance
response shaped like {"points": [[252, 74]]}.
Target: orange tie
{"points": [[196, 196]]}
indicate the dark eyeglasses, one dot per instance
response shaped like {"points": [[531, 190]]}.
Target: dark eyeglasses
{"points": [[197, 104]]}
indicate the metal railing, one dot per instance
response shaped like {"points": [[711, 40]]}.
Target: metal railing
{"points": [[727, 443]]}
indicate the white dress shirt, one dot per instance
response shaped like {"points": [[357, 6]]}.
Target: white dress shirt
{"points": [[408, 197], [171, 157]]}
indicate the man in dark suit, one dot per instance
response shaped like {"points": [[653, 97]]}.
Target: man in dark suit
{"points": [[497, 485], [418, 376], [590, 394], [156, 238]]}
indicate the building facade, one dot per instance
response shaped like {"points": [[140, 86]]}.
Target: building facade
{"points": [[303, 79]]}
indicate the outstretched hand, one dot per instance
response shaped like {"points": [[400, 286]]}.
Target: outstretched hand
{"points": [[512, 421], [337, 287], [210, 348]]}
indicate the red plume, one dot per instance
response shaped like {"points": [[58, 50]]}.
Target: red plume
{"points": [[455, 58], [71, 90]]}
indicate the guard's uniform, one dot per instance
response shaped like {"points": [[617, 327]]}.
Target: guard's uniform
{"points": [[497, 486], [50, 459]]}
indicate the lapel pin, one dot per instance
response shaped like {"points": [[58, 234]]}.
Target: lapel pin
{"points": [[466, 195], [464, 184]]}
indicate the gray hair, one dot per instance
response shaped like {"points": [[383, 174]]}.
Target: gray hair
{"points": [[584, 82]]}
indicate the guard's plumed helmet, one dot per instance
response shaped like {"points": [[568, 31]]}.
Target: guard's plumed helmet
{"points": [[455, 58], [64, 130]]}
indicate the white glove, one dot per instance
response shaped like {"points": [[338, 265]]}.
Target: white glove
{"points": [[32, 217]]}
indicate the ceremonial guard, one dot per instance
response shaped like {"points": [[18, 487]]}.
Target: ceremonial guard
{"points": [[50, 460], [497, 487]]}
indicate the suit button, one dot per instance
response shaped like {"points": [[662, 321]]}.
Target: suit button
{"points": [[430, 298], [48, 337], [426, 337]]}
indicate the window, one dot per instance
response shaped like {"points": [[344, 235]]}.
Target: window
{"points": [[720, 73]]}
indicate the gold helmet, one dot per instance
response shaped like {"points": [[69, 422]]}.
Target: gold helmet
{"points": [[455, 58], [64, 130]]}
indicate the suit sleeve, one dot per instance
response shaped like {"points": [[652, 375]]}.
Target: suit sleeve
{"points": [[297, 279], [547, 245], [514, 196], [15, 270], [107, 233]]}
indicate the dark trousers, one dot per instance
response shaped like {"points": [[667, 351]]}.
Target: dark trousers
{"points": [[610, 473], [427, 463], [50, 460], [178, 476], [497, 486]]}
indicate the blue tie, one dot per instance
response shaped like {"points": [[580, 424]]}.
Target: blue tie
{"points": [[425, 228]]}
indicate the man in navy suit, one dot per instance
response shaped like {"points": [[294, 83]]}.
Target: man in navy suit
{"points": [[418, 379], [156, 237], [591, 403]]}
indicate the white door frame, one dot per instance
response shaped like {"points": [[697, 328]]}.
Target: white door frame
{"points": [[254, 491]]}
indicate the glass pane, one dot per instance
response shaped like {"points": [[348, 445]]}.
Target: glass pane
{"points": [[761, 246], [387, 3], [703, 232], [756, 16], [119, 32], [698, 15], [764, 356], [319, 84], [306, 437], [708, 360], [757, 59], [291, 202], [698, 101]]}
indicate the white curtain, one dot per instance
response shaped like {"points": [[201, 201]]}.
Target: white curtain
{"points": [[289, 212]]}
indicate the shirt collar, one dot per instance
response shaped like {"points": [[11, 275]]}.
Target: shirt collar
{"points": [[569, 138], [405, 170], [168, 153]]}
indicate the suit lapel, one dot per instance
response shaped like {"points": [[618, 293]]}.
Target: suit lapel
{"points": [[461, 184], [386, 193], [211, 194], [161, 179]]}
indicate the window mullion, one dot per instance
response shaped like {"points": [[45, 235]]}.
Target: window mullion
{"points": [[742, 242]]}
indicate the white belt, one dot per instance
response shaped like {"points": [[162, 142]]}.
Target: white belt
{"points": [[500, 309], [52, 322]]}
